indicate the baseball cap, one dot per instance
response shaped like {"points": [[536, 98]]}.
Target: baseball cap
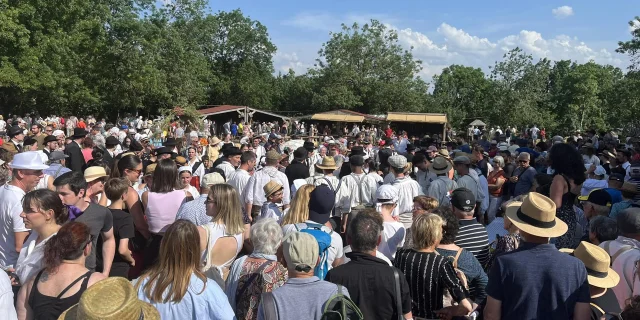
{"points": [[300, 251], [210, 179], [616, 177], [598, 196], [321, 203], [463, 199], [386, 194]]}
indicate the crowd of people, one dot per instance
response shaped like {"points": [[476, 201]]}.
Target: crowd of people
{"points": [[112, 221]]}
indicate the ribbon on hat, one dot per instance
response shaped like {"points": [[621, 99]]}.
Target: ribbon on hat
{"points": [[394, 213]]}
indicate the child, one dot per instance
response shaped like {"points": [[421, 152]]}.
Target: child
{"points": [[394, 232], [116, 191], [273, 191]]}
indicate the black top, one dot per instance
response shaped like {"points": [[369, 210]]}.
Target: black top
{"points": [[50, 308], [484, 168], [296, 170], [428, 274], [122, 229], [345, 170], [607, 302], [371, 285]]}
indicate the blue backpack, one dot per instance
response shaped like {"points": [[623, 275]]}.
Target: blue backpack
{"points": [[324, 243]]}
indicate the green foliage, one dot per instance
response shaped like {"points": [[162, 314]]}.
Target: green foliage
{"points": [[110, 57]]}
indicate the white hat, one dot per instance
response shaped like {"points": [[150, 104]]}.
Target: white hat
{"points": [[389, 195], [210, 179], [600, 171], [184, 168], [57, 133], [29, 160]]}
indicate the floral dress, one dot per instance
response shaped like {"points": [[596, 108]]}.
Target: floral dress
{"points": [[272, 276], [567, 214]]}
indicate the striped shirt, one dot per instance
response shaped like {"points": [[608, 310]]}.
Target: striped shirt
{"points": [[473, 237], [428, 274]]}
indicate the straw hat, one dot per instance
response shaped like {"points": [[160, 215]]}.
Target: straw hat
{"points": [[629, 187], [150, 169], [271, 187], [440, 165], [597, 262], [328, 163], [536, 215], [93, 173], [110, 299]]}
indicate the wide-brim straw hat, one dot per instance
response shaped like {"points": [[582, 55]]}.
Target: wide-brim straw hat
{"points": [[215, 141], [111, 299], [597, 262], [440, 165], [328, 163], [536, 215], [93, 173]]}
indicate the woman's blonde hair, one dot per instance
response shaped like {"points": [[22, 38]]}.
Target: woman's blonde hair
{"points": [[299, 211], [427, 203], [229, 211], [178, 259], [427, 231]]}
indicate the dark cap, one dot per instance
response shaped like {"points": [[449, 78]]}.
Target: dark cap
{"points": [[463, 199], [14, 131], [50, 138], [171, 142], [629, 221], [599, 196], [410, 147], [164, 150], [616, 177], [357, 151], [309, 146], [357, 161], [28, 141], [232, 151], [300, 153], [111, 141], [321, 201]]}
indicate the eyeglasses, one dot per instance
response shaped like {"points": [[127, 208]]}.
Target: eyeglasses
{"points": [[523, 161], [209, 200], [136, 171]]}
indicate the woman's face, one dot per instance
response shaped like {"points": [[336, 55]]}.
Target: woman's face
{"points": [[417, 209], [185, 178], [133, 174], [35, 217], [212, 209], [127, 142], [192, 153]]}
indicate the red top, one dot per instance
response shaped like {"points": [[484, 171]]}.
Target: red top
{"points": [[388, 132], [494, 176]]}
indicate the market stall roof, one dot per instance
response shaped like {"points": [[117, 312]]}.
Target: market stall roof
{"points": [[213, 110], [417, 117], [477, 122], [342, 115]]}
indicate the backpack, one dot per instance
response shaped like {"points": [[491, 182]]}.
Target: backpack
{"points": [[606, 315], [447, 299], [341, 307], [324, 243]]}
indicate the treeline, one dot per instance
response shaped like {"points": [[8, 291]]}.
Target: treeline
{"points": [[110, 57]]}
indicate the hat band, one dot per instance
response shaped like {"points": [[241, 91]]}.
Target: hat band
{"points": [[439, 169], [597, 274], [534, 222], [141, 315]]}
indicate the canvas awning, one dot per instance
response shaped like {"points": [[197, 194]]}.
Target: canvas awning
{"points": [[417, 117], [477, 123], [337, 117]]}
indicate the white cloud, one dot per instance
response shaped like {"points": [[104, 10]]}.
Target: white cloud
{"points": [[562, 12], [450, 45], [635, 25]]}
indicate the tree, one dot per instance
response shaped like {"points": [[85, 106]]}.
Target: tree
{"points": [[366, 69], [460, 92], [632, 47]]}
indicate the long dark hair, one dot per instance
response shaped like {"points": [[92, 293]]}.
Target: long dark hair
{"points": [[46, 199], [165, 177], [566, 160], [67, 244], [129, 161]]}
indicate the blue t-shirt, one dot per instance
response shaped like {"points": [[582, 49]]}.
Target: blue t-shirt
{"points": [[525, 180], [537, 281], [616, 195]]}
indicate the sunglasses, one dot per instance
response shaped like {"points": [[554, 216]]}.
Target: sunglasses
{"points": [[523, 161], [135, 170]]}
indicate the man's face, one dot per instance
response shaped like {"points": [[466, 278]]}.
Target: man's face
{"points": [[67, 196], [234, 160], [523, 162], [33, 147], [52, 145], [35, 130], [251, 164], [19, 137], [620, 157], [48, 130], [256, 143]]}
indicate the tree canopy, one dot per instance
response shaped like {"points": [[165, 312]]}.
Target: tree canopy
{"points": [[108, 58]]}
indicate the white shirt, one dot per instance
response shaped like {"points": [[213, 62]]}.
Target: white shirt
{"points": [[10, 222], [588, 161], [238, 180], [393, 235], [356, 189], [336, 251], [31, 256], [379, 255], [194, 192], [254, 192], [625, 267], [407, 190], [3, 125], [227, 168], [6, 298]]}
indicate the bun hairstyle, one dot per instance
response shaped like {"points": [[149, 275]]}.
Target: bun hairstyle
{"points": [[45, 199], [67, 244], [97, 153]]}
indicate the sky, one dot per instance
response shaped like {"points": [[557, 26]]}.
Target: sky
{"points": [[471, 33]]}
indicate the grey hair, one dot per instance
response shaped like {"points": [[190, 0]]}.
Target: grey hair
{"points": [[604, 228], [364, 232], [498, 161], [524, 155], [266, 236]]}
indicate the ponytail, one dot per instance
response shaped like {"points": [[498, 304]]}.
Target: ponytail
{"points": [[67, 244]]}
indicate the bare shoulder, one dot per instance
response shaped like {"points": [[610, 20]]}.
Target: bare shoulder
{"points": [[95, 277]]}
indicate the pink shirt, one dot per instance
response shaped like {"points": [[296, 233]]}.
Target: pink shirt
{"points": [[162, 209]]}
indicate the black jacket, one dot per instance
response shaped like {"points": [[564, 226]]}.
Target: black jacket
{"points": [[75, 162], [296, 170]]}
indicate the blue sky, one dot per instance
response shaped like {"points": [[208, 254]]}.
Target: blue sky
{"points": [[474, 33]]}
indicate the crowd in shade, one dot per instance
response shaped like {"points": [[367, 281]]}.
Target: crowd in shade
{"points": [[292, 221]]}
